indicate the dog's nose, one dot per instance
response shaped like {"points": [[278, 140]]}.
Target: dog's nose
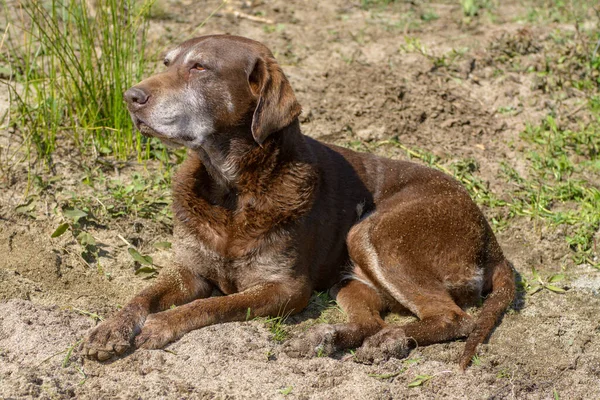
{"points": [[136, 96]]}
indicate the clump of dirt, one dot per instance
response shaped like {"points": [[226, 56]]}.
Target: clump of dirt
{"points": [[420, 74]]}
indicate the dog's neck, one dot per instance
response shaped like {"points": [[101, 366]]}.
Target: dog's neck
{"points": [[238, 164]]}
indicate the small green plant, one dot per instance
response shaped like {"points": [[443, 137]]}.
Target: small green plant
{"points": [[147, 268], [94, 316], [82, 373], [469, 7], [286, 391], [539, 283], [85, 239], [420, 380], [269, 355], [321, 352], [69, 352], [507, 110], [274, 28], [429, 15], [504, 373]]}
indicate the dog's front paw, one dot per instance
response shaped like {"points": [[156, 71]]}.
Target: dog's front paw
{"points": [[111, 337], [318, 341], [157, 332], [385, 344]]}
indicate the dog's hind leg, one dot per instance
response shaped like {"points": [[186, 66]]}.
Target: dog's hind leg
{"points": [[416, 278], [362, 305], [442, 323]]}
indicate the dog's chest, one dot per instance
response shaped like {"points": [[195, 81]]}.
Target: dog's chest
{"points": [[233, 274]]}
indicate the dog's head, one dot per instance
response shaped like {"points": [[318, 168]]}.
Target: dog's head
{"points": [[214, 86]]}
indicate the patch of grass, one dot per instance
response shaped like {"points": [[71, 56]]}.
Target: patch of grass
{"points": [[367, 4], [559, 10], [443, 61], [138, 195], [69, 66], [429, 15], [558, 190], [143, 196], [472, 8], [274, 28], [277, 327], [330, 311]]}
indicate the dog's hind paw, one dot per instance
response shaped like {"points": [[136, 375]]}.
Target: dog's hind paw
{"points": [[318, 341], [385, 344]]}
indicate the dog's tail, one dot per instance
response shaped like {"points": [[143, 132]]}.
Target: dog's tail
{"points": [[502, 295]]}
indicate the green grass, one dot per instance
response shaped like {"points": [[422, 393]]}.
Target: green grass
{"points": [[558, 189], [472, 8], [277, 327], [559, 10], [367, 4], [69, 66]]}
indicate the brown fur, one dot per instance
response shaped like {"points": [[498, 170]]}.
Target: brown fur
{"points": [[266, 215]]}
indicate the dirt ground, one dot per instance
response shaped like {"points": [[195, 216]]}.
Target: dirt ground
{"points": [[360, 76]]}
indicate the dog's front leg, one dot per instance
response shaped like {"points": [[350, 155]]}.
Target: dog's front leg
{"points": [[115, 335], [266, 299]]}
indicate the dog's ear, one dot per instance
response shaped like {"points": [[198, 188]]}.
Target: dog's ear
{"points": [[277, 106]]}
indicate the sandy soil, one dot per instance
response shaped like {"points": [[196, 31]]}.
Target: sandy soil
{"points": [[358, 78]]}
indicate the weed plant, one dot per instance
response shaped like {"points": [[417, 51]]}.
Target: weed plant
{"points": [[69, 65]]}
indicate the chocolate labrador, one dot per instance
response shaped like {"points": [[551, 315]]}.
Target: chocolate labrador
{"points": [[267, 215]]}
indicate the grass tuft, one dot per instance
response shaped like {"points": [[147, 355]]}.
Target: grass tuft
{"points": [[69, 65]]}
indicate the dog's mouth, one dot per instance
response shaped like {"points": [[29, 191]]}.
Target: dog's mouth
{"points": [[147, 131], [144, 128]]}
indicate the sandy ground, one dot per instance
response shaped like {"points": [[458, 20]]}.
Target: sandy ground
{"points": [[357, 79]]}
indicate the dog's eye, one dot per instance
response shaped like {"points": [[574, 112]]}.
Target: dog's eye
{"points": [[198, 67]]}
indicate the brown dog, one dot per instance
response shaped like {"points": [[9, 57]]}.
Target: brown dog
{"points": [[267, 215]]}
